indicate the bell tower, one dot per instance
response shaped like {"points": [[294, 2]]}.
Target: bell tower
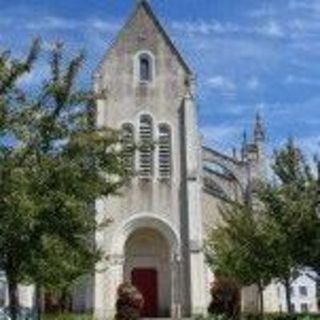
{"points": [[150, 99]]}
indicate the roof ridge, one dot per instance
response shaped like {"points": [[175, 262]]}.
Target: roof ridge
{"points": [[146, 5]]}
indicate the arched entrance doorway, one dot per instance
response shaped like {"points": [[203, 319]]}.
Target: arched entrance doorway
{"points": [[151, 231], [148, 266]]}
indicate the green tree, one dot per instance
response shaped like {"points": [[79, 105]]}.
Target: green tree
{"points": [[277, 237], [309, 251], [54, 165], [290, 204], [240, 247]]}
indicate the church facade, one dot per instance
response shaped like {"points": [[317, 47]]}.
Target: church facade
{"points": [[160, 220], [161, 217]]}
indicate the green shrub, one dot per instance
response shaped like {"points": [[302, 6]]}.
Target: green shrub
{"points": [[280, 316], [211, 317], [129, 303], [225, 298], [267, 316]]}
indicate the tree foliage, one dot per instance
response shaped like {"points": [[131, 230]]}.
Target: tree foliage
{"points": [[241, 247], [278, 237], [290, 203], [54, 164]]}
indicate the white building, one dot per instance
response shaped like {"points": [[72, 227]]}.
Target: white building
{"points": [[3, 289], [303, 295], [26, 293]]}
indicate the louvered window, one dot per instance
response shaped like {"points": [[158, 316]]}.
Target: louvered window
{"points": [[164, 151], [128, 147], [146, 146]]}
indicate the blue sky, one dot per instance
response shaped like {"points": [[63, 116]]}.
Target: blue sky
{"points": [[248, 55]]}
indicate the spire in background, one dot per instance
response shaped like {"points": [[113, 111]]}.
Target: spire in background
{"points": [[318, 178], [244, 147], [318, 188], [244, 139], [259, 130]]}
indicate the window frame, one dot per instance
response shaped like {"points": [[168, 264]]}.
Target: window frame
{"points": [[303, 291], [148, 55], [124, 127], [167, 126], [141, 170], [145, 68]]}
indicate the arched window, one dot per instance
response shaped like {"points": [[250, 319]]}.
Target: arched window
{"points": [[146, 146], [145, 67], [164, 151], [128, 147]]}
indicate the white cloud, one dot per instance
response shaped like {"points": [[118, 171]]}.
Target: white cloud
{"points": [[222, 85], [51, 22], [312, 5], [102, 25], [293, 79], [204, 27], [27, 20], [222, 136], [59, 23], [269, 28], [272, 29], [35, 77], [310, 145], [264, 11], [253, 83]]}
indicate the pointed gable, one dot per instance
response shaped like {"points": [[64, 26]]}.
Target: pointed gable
{"points": [[142, 13]]}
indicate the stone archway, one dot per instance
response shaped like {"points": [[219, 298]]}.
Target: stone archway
{"points": [[145, 220], [148, 242], [148, 265]]}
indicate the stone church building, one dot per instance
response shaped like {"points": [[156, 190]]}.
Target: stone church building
{"points": [[162, 215], [161, 218]]}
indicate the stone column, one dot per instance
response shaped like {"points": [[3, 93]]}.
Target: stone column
{"points": [[176, 287], [109, 276], [99, 288], [102, 266], [193, 206], [115, 278]]}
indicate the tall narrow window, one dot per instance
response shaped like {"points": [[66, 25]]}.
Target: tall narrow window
{"points": [[145, 68], [146, 147], [164, 151], [128, 147]]}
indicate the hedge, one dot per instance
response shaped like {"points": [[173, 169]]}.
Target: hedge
{"points": [[267, 316], [281, 316], [67, 316]]}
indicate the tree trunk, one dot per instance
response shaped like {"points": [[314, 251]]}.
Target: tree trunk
{"points": [[38, 302], [64, 301], [13, 297], [288, 295], [261, 299]]}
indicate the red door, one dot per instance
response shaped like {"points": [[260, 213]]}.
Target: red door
{"points": [[146, 281]]}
